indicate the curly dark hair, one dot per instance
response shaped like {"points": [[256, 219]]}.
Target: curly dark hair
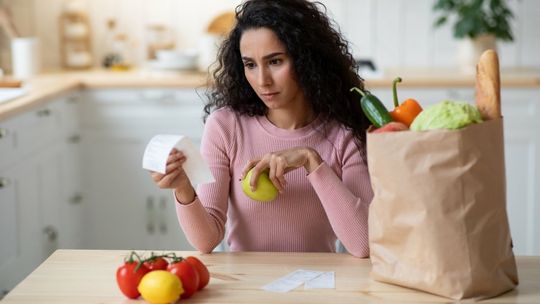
{"points": [[323, 64]]}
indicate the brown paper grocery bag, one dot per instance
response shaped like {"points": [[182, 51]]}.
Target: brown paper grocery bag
{"points": [[438, 220]]}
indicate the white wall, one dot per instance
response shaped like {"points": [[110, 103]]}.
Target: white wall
{"points": [[396, 33]]}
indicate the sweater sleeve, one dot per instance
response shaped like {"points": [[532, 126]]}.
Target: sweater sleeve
{"points": [[203, 220], [346, 200]]}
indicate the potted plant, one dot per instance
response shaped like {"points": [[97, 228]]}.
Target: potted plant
{"points": [[477, 23]]}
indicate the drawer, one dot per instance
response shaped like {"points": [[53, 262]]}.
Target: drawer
{"points": [[141, 109]]}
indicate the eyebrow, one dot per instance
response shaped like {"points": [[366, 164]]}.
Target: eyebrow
{"points": [[266, 56]]}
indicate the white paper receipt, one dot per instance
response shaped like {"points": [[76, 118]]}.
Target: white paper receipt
{"points": [[160, 146], [311, 278]]}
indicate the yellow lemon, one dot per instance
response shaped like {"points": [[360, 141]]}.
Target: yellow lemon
{"points": [[160, 287], [265, 191]]}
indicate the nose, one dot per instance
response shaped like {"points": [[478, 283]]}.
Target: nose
{"points": [[264, 77]]}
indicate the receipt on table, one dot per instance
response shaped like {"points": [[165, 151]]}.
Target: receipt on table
{"points": [[292, 280], [325, 280], [160, 146]]}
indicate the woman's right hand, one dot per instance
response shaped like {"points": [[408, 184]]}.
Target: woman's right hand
{"points": [[175, 178]]}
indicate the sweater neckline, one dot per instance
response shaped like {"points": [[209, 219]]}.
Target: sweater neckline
{"points": [[272, 129]]}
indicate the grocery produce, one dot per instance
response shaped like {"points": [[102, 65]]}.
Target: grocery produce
{"points": [[373, 108], [160, 287], [187, 274], [392, 126], [156, 263], [265, 190], [488, 88], [130, 274], [204, 274], [407, 111], [446, 115], [146, 277]]}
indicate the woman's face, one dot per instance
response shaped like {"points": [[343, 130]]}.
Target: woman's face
{"points": [[269, 69]]}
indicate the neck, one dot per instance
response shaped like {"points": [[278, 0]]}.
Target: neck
{"points": [[290, 120]]}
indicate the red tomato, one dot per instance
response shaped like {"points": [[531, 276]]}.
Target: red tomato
{"points": [[204, 275], [188, 275], [128, 279], [156, 263]]}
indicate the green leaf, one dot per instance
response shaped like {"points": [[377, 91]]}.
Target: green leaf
{"points": [[440, 21], [475, 17]]}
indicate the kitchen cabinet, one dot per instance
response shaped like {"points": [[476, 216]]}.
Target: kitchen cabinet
{"points": [[127, 209], [37, 174], [522, 152], [117, 125]]}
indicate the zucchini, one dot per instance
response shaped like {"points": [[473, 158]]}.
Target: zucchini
{"points": [[373, 108]]}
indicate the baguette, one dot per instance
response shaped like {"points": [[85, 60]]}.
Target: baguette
{"points": [[488, 88]]}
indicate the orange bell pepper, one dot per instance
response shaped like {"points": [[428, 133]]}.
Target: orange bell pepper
{"points": [[407, 111]]}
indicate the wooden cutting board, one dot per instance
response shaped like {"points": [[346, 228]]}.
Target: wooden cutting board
{"points": [[488, 87], [10, 83]]}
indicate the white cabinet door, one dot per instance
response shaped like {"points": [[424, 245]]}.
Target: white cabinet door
{"points": [[124, 207], [116, 193], [20, 216], [522, 152], [170, 236], [35, 215], [9, 228], [72, 201]]}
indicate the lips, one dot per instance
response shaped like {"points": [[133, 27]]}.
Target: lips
{"points": [[269, 95]]}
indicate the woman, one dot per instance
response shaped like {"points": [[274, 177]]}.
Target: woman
{"points": [[281, 102]]}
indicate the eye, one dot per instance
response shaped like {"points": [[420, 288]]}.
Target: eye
{"points": [[249, 65], [275, 61]]}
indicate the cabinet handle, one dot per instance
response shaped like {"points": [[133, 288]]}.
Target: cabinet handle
{"points": [[51, 232], [74, 139], [43, 112], [4, 182], [72, 99], [150, 226], [162, 215], [3, 132], [76, 199]]}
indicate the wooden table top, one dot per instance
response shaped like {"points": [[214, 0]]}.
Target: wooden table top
{"points": [[88, 276]]}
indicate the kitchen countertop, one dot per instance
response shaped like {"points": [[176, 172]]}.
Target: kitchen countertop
{"points": [[88, 276], [48, 85]]}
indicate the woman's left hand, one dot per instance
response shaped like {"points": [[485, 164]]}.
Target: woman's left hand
{"points": [[280, 162]]}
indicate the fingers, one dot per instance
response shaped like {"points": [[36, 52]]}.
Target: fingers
{"points": [[255, 172], [276, 166], [248, 167], [174, 156], [168, 180], [277, 169], [173, 169], [175, 165]]}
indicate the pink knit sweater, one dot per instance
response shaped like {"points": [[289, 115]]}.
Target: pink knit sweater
{"points": [[313, 211]]}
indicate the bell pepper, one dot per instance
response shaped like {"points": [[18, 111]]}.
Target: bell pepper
{"points": [[407, 111], [373, 108]]}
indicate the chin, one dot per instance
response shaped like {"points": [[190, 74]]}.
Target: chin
{"points": [[272, 105]]}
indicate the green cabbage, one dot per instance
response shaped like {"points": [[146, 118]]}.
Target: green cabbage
{"points": [[446, 115]]}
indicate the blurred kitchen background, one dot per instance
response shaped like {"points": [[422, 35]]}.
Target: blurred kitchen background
{"points": [[392, 33], [89, 82]]}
